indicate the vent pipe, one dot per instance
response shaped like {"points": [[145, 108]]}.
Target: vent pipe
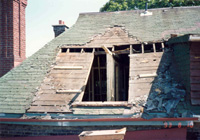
{"points": [[146, 6]]}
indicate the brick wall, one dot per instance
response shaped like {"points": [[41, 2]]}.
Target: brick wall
{"points": [[9, 130], [12, 34]]}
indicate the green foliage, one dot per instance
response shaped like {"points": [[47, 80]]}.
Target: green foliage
{"points": [[121, 5]]}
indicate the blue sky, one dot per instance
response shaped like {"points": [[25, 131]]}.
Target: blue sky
{"points": [[42, 14]]}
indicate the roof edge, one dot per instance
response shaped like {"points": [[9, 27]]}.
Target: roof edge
{"points": [[141, 10]]}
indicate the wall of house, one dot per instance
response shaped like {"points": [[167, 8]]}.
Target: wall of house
{"points": [[195, 72], [194, 133], [33, 130], [12, 34]]}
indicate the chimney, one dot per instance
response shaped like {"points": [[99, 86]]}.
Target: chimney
{"points": [[60, 28], [12, 34]]}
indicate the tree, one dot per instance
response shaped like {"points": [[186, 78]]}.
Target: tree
{"points": [[122, 5]]}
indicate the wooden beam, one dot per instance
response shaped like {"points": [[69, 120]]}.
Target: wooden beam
{"points": [[154, 48], [142, 46], [147, 75], [99, 74], [68, 91], [102, 104], [110, 78], [131, 49], [107, 50], [163, 46], [92, 84], [68, 67]]}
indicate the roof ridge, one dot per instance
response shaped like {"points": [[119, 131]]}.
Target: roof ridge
{"points": [[141, 10]]}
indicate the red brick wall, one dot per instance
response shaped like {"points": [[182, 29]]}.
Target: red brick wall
{"points": [[12, 34]]}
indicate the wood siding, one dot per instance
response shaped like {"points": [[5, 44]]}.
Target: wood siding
{"points": [[195, 73], [142, 64], [63, 84]]}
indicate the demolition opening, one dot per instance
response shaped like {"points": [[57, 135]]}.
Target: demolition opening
{"points": [[104, 85]]}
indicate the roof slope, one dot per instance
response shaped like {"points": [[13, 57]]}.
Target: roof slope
{"points": [[18, 86], [160, 25]]}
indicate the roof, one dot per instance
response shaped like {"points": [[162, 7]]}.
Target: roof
{"points": [[159, 26], [18, 86]]}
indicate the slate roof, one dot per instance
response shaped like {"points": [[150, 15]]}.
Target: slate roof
{"points": [[18, 86]]}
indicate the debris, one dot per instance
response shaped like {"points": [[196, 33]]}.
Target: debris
{"points": [[158, 90]]}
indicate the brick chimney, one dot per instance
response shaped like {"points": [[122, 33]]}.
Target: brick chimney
{"points": [[59, 29], [12, 34]]}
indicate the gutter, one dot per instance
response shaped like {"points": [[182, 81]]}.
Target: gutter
{"points": [[177, 122]]}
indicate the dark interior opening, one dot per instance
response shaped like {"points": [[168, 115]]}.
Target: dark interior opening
{"points": [[158, 47], [64, 50], [75, 50], [148, 48], [137, 48], [122, 77], [96, 89]]}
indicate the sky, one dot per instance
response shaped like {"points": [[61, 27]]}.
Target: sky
{"points": [[42, 14]]}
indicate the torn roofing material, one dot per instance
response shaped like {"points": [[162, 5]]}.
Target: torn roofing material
{"points": [[18, 86]]}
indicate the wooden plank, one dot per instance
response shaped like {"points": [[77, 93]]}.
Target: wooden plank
{"points": [[110, 78], [68, 67], [152, 64], [151, 73], [145, 61], [49, 109], [52, 102], [70, 64], [195, 80], [103, 135], [68, 76], [141, 86], [141, 80], [147, 55], [131, 49], [147, 75], [195, 87], [154, 48], [142, 46], [80, 97], [194, 72], [195, 65], [100, 111], [55, 97], [101, 104], [195, 94], [150, 68], [68, 71], [68, 91]]}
